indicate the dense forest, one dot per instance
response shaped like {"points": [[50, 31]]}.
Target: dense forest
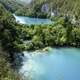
{"points": [[8, 34], [15, 37]]}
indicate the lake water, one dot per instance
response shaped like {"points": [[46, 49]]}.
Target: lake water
{"points": [[57, 64], [29, 21]]}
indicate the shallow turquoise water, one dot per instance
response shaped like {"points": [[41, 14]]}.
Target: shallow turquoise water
{"points": [[29, 21], [59, 64]]}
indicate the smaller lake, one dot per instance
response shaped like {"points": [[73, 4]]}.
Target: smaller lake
{"points": [[29, 21]]}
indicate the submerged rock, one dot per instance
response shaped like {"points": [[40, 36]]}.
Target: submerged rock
{"points": [[47, 49]]}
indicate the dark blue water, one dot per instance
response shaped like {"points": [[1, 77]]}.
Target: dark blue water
{"points": [[57, 64], [29, 21]]}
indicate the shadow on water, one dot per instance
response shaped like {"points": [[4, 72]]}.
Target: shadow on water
{"points": [[17, 60]]}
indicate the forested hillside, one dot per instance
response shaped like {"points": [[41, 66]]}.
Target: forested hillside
{"points": [[14, 6], [63, 7], [11, 5], [8, 37]]}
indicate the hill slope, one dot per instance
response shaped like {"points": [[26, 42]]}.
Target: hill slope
{"points": [[34, 9], [63, 6]]}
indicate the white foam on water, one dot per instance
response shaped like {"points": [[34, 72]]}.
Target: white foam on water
{"points": [[30, 66], [20, 20]]}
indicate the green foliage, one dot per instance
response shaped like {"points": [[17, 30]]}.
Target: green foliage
{"points": [[6, 73], [10, 42], [8, 31], [64, 6], [37, 36], [11, 5], [61, 33], [36, 40], [76, 36]]}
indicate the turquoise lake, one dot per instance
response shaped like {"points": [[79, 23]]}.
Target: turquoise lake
{"points": [[56, 64], [29, 21]]}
